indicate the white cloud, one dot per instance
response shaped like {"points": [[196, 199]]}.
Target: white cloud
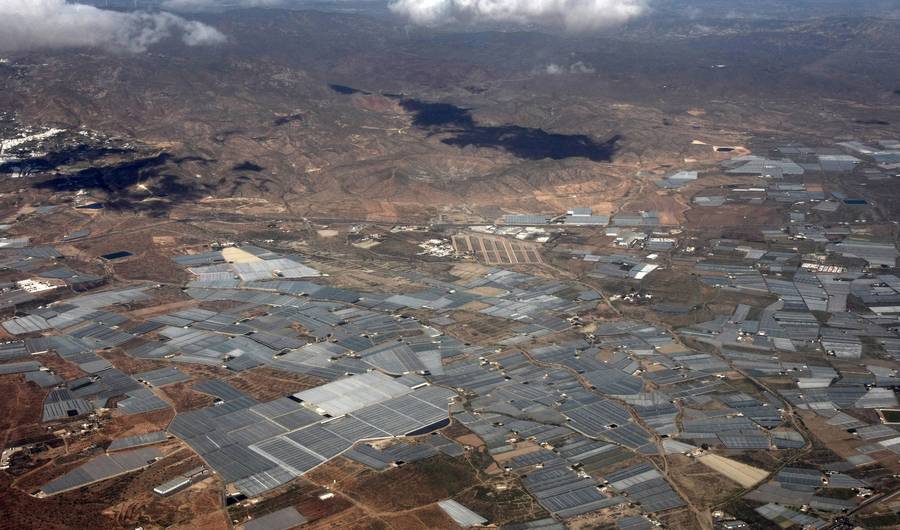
{"points": [[581, 68], [555, 69], [572, 15], [575, 68], [43, 24]]}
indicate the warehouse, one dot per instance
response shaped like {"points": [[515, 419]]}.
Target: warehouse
{"points": [[181, 481]]}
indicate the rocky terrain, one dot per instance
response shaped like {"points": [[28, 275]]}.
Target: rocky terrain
{"points": [[321, 114]]}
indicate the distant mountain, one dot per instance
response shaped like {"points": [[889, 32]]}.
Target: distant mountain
{"points": [[259, 117]]}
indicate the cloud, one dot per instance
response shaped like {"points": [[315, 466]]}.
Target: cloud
{"points": [[555, 69], [575, 68], [572, 15], [48, 24], [581, 68]]}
